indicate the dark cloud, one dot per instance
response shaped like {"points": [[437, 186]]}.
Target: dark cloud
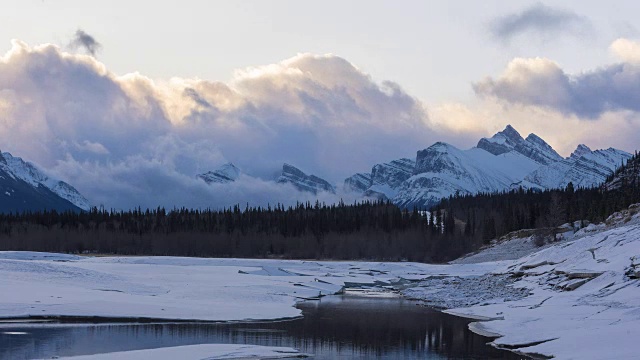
{"points": [[539, 19], [85, 41], [541, 82]]}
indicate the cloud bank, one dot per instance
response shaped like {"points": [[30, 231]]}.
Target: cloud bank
{"points": [[542, 82], [539, 19], [128, 140]]}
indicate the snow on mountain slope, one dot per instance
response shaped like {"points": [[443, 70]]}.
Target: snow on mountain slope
{"points": [[303, 182], [584, 168], [383, 181], [503, 161], [509, 139], [443, 170], [359, 182], [224, 174], [17, 168]]}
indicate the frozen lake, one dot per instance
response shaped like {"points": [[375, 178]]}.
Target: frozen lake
{"points": [[334, 327]]}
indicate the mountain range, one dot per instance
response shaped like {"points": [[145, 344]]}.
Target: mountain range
{"points": [[502, 162]]}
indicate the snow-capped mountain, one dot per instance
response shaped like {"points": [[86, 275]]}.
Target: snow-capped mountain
{"points": [[303, 182], [584, 168], [384, 180], [25, 187], [224, 174], [359, 182], [442, 170], [289, 174], [509, 140], [503, 161]]}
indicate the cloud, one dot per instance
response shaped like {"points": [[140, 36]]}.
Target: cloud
{"points": [[83, 40], [542, 82], [626, 50], [128, 140], [93, 147], [541, 20]]}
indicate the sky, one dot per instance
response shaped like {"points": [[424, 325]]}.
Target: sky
{"points": [[127, 101]]}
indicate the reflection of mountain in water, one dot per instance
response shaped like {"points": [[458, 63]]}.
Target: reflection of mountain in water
{"points": [[335, 326]]}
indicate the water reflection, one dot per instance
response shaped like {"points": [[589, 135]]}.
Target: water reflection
{"points": [[335, 327]]}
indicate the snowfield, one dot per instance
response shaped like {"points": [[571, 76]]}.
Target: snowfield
{"points": [[575, 299], [199, 352]]}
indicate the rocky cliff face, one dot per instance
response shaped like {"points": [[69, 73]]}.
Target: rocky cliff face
{"points": [[303, 182], [224, 174], [509, 140]]}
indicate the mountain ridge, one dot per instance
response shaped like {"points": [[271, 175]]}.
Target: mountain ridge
{"points": [[504, 161], [24, 187]]}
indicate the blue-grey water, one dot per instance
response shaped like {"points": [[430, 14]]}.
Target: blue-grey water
{"points": [[336, 327]]}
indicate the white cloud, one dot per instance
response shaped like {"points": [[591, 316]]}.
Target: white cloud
{"points": [[127, 140], [130, 140], [626, 50], [588, 95]]}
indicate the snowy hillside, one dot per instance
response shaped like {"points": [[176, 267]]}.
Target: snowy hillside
{"points": [[578, 298], [17, 170]]}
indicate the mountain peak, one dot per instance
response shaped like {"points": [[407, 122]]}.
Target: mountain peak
{"points": [[226, 173], [510, 133], [580, 151], [502, 142], [509, 140], [20, 176], [303, 182]]}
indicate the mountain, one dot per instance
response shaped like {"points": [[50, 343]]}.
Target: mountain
{"points": [[509, 140], [384, 179], [224, 174], [359, 182], [229, 173], [584, 168], [23, 187], [303, 182], [442, 170], [625, 177], [503, 161]]}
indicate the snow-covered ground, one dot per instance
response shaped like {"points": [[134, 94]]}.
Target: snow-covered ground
{"points": [[199, 352], [577, 298], [584, 298], [39, 284]]}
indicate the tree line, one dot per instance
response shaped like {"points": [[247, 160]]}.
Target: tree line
{"points": [[486, 216], [366, 231], [370, 230]]}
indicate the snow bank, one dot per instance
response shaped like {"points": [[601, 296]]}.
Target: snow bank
{"points": [[585, 296], [38, 284], [199, 352]]}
